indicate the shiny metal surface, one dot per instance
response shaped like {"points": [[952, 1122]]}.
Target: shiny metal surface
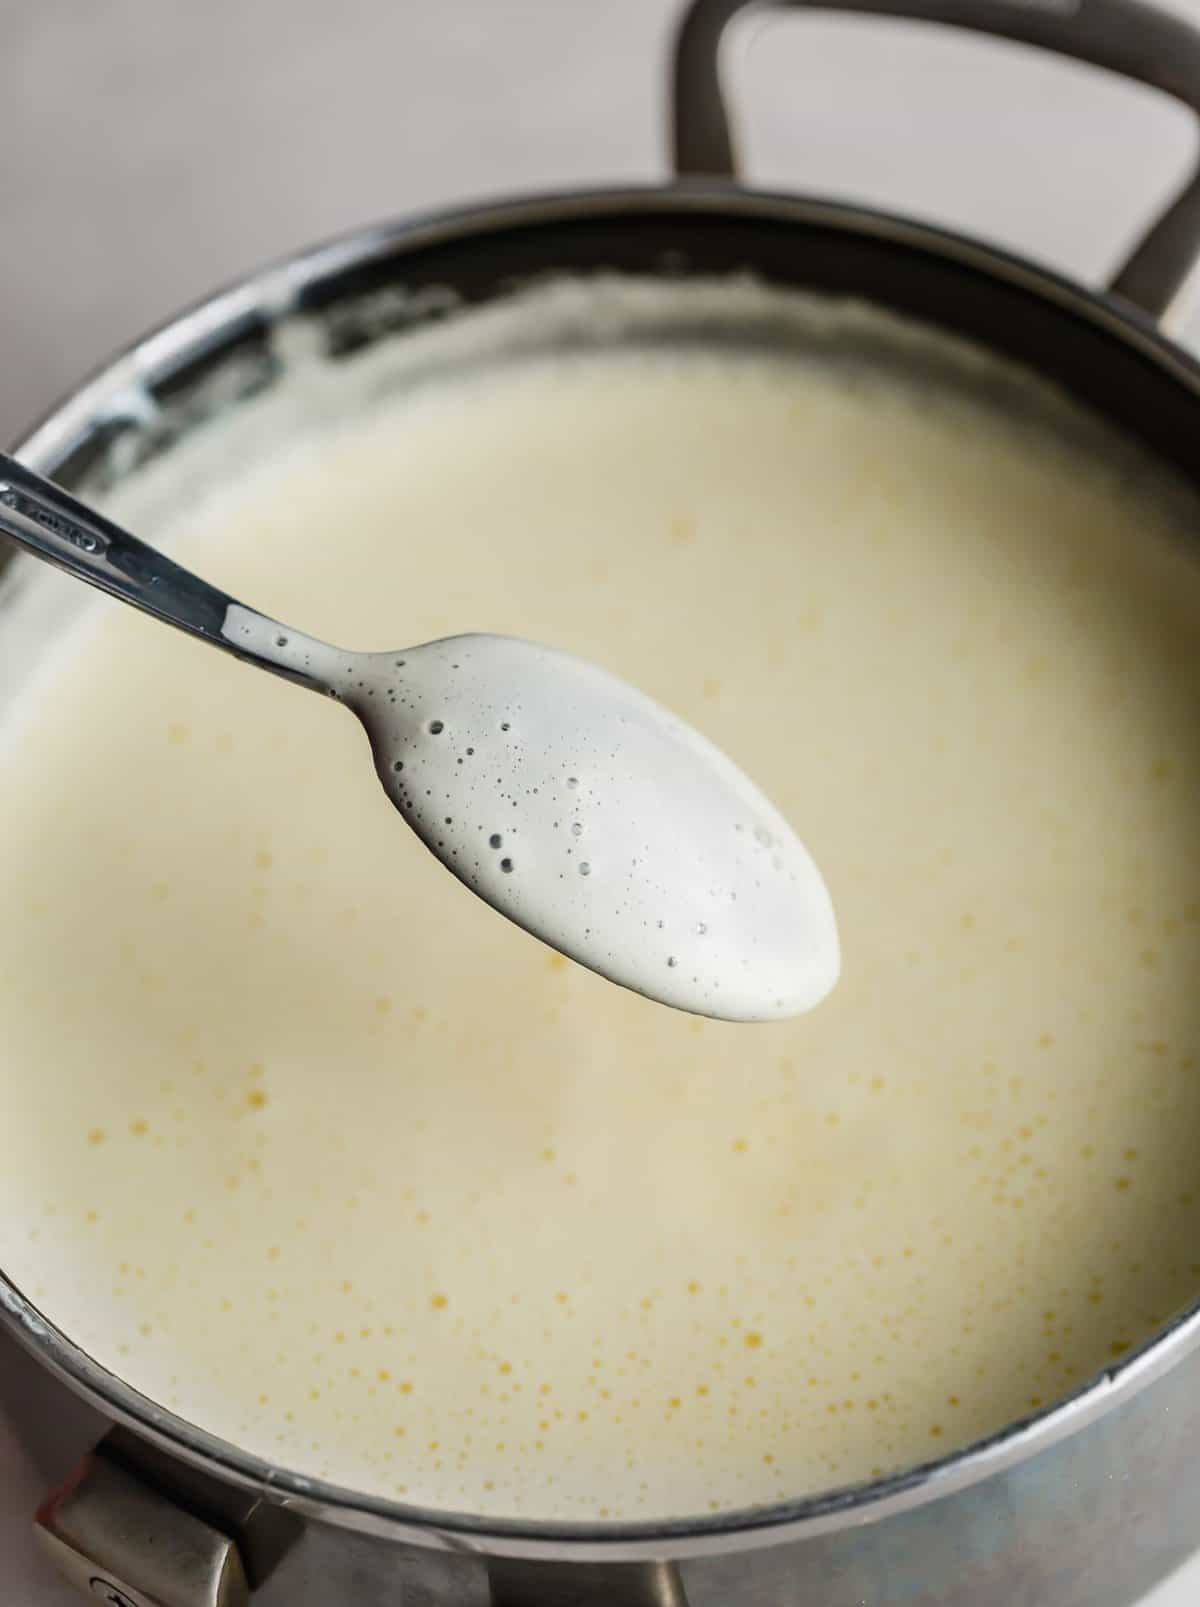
{"points": [[1131, 37], [126, 1545], [57, 528], [1085, 1505]]}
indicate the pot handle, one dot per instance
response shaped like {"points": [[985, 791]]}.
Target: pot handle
{"points": [[121, 1542], [133, 1526], [1132, 37]]}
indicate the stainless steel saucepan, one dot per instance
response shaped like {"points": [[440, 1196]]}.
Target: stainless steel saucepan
{"points": [[1083, 1505]]}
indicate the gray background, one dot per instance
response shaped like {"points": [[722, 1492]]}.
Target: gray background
{"points": [[152, 149]]}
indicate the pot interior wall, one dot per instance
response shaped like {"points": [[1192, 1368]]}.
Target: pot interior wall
{"points": [[408, 279]]}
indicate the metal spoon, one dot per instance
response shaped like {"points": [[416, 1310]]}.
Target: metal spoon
{"points": [[573, 804]]}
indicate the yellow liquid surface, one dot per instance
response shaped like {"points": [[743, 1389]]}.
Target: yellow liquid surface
{"points": [[308, 1144]]}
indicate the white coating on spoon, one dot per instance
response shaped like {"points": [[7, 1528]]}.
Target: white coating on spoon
{"points": [[589, 815]]}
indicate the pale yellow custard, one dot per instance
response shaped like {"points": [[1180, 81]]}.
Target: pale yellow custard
{"points": [[306, 1143]]}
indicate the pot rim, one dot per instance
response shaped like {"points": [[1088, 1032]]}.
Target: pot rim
{"points": [[270, 294]]}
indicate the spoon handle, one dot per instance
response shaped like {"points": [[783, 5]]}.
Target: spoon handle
{"points": [[51, 524]]}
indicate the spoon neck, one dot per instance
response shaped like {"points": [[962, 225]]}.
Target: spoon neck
{"points": [[306, 660], [48, 522]]}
